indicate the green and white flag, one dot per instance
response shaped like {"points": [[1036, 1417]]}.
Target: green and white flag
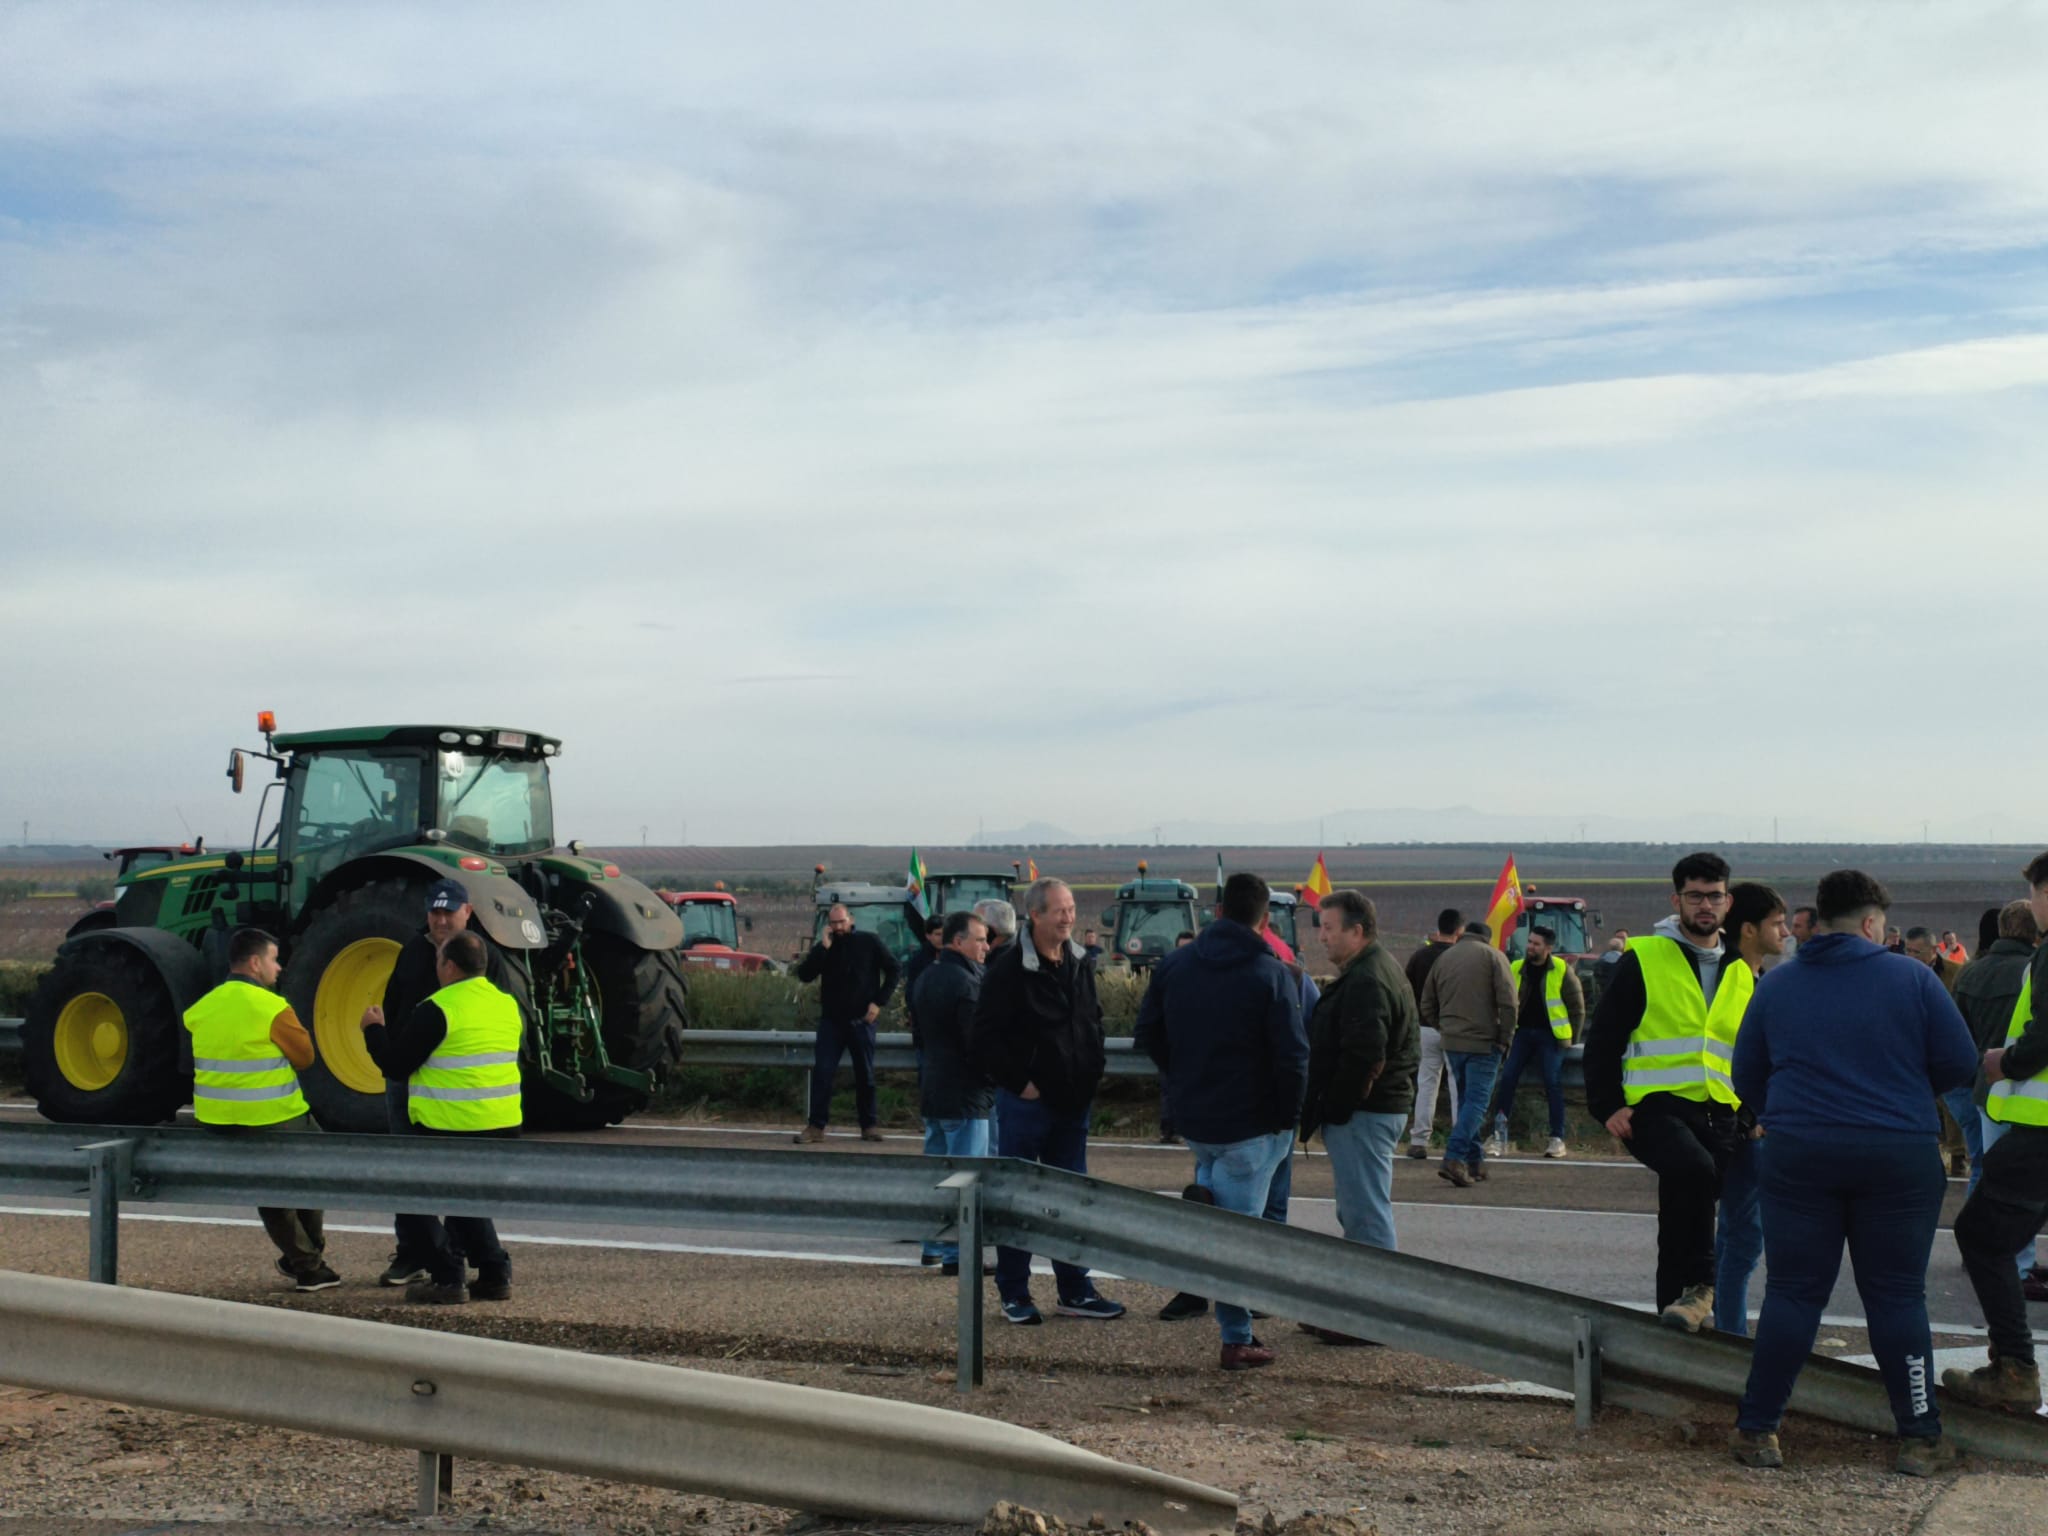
{"points": [[916, 881]]}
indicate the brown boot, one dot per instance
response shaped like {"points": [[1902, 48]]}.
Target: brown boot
{"points": [[809, 1134], [1927, 1457], [2012, 1385], [1692, 1311], [1756, 1447], [871, 1133], [1455, 1170]]}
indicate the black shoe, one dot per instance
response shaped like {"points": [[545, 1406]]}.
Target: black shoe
{"points": [[491, 1288], [1186, 1305], [949, 1266], [318, 1278], [433, 1293]]}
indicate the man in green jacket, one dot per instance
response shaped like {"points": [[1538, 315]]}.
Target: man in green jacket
{"points": [[1365, 1041]]}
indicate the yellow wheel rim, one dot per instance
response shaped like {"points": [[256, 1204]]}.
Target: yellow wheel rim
{"points": [[354, 981], [91, 1041]]}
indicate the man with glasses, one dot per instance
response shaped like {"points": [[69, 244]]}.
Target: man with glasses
{"points": [[1657, 1062]]}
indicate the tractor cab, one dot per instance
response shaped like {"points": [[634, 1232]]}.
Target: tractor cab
{"points": [[889, 912], [1284, 916], [1149, 917], [953, 891], [1568, 916], [711, 930]]}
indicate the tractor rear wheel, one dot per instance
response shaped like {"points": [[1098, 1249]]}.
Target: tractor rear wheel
{"points": [[338, 967], [102, 1040], [643, 1009]]}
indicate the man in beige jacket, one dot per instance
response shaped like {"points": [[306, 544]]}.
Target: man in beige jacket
{"points": [[1469, 999]]}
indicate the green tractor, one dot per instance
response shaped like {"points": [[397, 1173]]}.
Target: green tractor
{"points": [[1149, 917], [370, 818]]}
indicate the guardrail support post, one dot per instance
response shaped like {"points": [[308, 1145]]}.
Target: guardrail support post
{"points": [[436, 1482], [968, 1369], [1585, 1372], [108, 1165]]}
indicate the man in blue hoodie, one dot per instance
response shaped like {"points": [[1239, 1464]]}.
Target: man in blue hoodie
{"points": [[1222, 1018]]}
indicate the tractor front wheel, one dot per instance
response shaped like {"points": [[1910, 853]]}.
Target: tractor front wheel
{"points": [[102, 1040]]}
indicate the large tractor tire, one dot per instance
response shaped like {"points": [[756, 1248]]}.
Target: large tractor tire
{"points": [[643, 1010], [338, 967], [102, 1043]]}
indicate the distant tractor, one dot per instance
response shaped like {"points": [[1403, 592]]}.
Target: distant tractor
{"points": [[711, 931], [369, 819], [1149, 917], [954, 891], [889, 912], [1284, 917], [127, 863]]}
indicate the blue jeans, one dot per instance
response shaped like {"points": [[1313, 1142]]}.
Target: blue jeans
{"points": [[1541, 1046], [1738, 1241], [1240, 1175], [1037, 1134], [1882, 1196], [1282, 1188], [1962, 1104], [1473, 1072], [1989, 1133], [1362, 1163], [836, 1037], [952, 1138]]}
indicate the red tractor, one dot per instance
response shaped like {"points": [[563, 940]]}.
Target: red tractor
{"points": [[711, 930]]}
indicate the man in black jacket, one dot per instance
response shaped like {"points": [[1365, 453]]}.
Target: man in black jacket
{"points": [[953, 1096], [1449, 924], [413, 981], [1038, 1034], [1222, 1018], [856, 977]]}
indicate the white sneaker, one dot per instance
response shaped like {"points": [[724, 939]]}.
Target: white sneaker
{"points": [[1497, 1147], [1555, 1148]]}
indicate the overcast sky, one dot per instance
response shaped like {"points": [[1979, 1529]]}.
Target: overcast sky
{"points": [[866, 423]]}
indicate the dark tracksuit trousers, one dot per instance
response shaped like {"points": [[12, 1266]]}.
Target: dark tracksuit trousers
{"points": [[447, 1246], [1687, 1143], [2003, 1214]]}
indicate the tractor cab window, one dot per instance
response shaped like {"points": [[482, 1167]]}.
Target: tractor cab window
{"points": [[963, 891], [1281, 921], [1151, 927], [1569, 926], [494, 803], [710, 922], [349, 803]]}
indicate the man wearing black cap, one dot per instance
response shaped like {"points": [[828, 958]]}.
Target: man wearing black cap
{"points": [[413, 980]]}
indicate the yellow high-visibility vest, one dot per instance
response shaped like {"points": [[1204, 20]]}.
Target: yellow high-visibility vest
{"points": [[471, 1082], [239, 1076], [2022, 1101], [1682, 1046], [1553, 998]]}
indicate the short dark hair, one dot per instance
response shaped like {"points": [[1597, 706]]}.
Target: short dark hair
{"points": [[1917, 932], [466, 953], [1845, 892], [1750, 902], [956, 924], [1707, 867], [1246, 898], [1479, 930], [1812, 912], [1185, 933], [1547, 935], [2037, 870], [935, 924], [1354, 910], [1447, 921], [245, 944], [2016, 921]]}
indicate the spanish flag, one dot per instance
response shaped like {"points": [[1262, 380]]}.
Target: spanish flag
{"points": [[1317, 886], [1031, 868], [1505, 905]]}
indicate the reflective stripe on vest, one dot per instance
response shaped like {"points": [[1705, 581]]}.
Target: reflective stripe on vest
{"points": [[1681, 1046], [239, 1077], [471, 1082], [2022, 1101], [1553, 997]]}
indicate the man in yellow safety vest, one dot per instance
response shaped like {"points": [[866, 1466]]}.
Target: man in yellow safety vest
{"points": [[1550, 1005], [246, 1046], [459, 1054], [1656, 1064], [2009, 1206]]}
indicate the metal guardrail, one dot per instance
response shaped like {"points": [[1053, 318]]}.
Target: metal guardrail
{"points": [[1503, 1327], [833, 1453], [792, 1049]]}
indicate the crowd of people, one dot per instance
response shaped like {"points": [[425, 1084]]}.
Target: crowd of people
{"points": [[1781, 1073]]}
